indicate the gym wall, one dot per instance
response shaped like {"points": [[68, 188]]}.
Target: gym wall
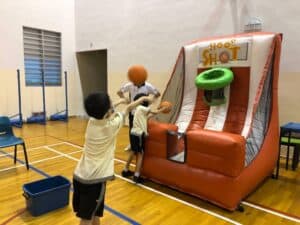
{"points": [[54, 15], [152, 32]]}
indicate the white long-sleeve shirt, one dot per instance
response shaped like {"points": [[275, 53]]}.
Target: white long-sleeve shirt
{"points": [[134, 90], [140, 120], [97, 161]]}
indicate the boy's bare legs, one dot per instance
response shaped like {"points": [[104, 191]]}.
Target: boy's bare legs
{"points": [[126, 171], [139, 164], [96, 220], [85, 222], [129, 160]]}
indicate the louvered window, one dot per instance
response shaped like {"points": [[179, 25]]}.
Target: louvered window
{"points": [[42, 56]]}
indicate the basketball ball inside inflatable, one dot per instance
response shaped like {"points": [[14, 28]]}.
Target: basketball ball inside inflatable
{"points": [[137, 74], [167, 105]]}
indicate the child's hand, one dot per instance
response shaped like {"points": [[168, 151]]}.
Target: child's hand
{"points": [[165, 107], [161, 108]]}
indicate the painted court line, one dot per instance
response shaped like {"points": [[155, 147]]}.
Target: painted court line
{"points": [[37, 161], [163, 194], [74, 145], [81, 147], [271, 211], [261, 208], [253, 205], [182, 202], [67, 155], [111, 210], [62, 154], [31, 149]]}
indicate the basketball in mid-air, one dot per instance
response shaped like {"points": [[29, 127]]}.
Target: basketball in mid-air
{"points": [[137, 74], [224, 57], [167, 105]]}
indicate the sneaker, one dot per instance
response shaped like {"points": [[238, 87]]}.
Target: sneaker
{"points": [[138, 179], [128, 147], [127, 173]]}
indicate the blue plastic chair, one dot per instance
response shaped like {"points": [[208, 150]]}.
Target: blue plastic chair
{"points": [[7, 138]]}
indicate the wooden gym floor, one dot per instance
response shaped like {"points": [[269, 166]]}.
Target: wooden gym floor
{"points": [[54, 149]]}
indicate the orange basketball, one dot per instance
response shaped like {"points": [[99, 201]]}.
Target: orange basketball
{"points": [[224, 57], [137, 74], [166, 104]]}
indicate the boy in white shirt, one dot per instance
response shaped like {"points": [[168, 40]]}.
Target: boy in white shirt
{"points": [[96, 164], [133, 89], [138, 133]]}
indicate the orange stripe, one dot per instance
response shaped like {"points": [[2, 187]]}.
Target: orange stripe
{"points": [[200, 113], [238, 103]]}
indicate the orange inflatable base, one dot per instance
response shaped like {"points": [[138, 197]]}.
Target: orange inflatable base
{"points": [[213, 167], [224, 190], [215, 187]]}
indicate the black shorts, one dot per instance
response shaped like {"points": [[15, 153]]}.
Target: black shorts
{"points": [[137, 143], [130, 119], [85, 199]]}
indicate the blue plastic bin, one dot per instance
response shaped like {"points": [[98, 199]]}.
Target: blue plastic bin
{"points": [[45, 195]]}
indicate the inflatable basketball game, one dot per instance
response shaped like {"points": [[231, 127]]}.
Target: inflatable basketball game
{"points": [[220, 140]]}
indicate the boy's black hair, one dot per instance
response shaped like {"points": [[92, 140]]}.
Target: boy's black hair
{"points": [[97, 104], [144, 103]]}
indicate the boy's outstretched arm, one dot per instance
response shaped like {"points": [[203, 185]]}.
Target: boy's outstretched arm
{"points": [[134, 104], [121, 101], [156, 111]]}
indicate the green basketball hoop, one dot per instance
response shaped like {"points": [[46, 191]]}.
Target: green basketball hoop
{"points": [[213, 79]]}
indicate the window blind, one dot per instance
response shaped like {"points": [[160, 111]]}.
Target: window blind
{"points": [[42, 56]]}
